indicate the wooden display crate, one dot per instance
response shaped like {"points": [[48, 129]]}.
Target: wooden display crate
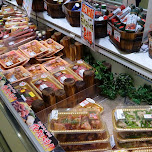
{"points": [[54, 10], [125, 41]]}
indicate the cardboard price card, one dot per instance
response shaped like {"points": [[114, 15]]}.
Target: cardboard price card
{"points": [[87, 24]]}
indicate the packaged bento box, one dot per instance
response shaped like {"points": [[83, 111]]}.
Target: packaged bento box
{"points": [[55, 64], [17, 74], [11, 59], [27, 93], [79, 67], [33, 49]]}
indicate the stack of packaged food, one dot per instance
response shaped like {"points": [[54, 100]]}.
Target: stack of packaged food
{"points": [[79, 130], [133, 127]]}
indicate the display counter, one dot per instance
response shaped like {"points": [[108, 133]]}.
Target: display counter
{"points": [[139, 62]]}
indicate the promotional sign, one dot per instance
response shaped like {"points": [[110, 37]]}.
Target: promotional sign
{"points": [[87, 24], [27, 4], [148, 24]]}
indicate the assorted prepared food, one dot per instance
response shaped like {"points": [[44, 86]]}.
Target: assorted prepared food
{"points": [[11, 59], [27, 93], [16, 74], [33, 48], [71, 122], [54, 64]]}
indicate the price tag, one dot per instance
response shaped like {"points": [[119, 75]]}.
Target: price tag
{"points": [[90, 100], [45, 6], [62, 79], [62, 68], [148, 116], [81, 72], [32, 94], [112, 141], [84, 103], [117, 35], [119, 115], [23, 97], [43, 75], [79, 61], [9, 63], [22, 84], [43, 86], [109, 29], [54, 114], [32, 53], [11, 43], [12, 79]]}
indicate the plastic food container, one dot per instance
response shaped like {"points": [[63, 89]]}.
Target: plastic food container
{"points": [[71, 122], [11, 59], [17, 74], [54, 64], [130, 145], [64, 74], [33, 49], [90, 103], [44, 81], [27, 93], [79, 67], [137, 119], [36, 69], [7, 10], [82, 137], [101, 146]]}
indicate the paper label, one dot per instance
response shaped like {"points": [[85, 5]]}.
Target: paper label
{"points": [[79, 61], [81, 72], [32, 94], [45, 6], [23, 97], [42, 49], [9, 63], [12, 79], [84, 103], [54, 114], [148, 116], [6, 36], [43, 86], [62, 79], [117, 35], [43, 75], [90, 100], [32, 53], [119, 115], [62, 68], [109, 29], [20, 59], [112, 141], [11, 43], [22, 84]]}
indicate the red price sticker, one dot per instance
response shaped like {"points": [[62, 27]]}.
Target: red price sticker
{"points": [[87, 35], [109, 30], [117, 35]]}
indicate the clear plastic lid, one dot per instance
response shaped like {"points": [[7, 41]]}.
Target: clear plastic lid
{"points": [[17, 74], [11, 59], [137, 118], [54, 64], [74, 121], [33, 48]]}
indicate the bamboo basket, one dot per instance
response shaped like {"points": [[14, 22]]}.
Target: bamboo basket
{"points": [[128, 42], [54, 10], [38, 5], [19, 2]]}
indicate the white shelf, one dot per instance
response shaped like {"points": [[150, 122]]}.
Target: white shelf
{"points": [[140, 62]]}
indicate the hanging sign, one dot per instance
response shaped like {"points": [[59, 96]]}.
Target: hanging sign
{"points": [[27, 4], [87, 24], [148, 24]]}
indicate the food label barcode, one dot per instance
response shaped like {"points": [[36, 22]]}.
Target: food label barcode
{"points": [[119, 114]]}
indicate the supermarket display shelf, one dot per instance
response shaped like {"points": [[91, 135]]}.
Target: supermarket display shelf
{"points": [[139, 62]]}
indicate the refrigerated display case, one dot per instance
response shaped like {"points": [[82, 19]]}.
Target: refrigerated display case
{"points": [[138, 65]]}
